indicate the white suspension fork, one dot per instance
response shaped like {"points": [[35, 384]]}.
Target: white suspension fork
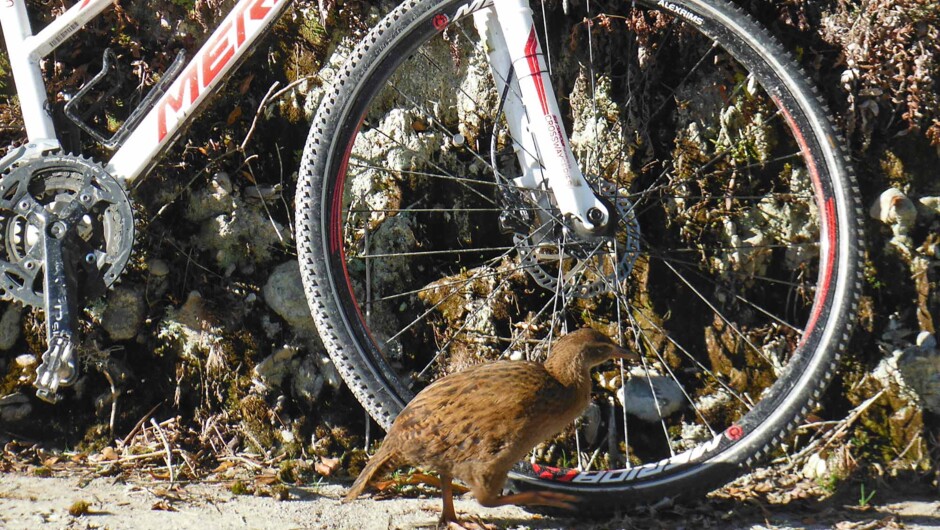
{"points": [[531, 109]]}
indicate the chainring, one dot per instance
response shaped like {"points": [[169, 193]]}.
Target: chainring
{"points": [[58, 183]]}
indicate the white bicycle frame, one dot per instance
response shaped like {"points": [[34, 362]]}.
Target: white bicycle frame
{"points": [[532, 112], [211, 64], [543, 149]]}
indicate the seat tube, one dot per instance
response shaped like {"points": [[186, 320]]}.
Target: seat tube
{"points": [[572, 193], [27, 75]]}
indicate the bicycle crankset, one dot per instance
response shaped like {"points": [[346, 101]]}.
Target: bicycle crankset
{"points": [[66, 232], [558, 256]]}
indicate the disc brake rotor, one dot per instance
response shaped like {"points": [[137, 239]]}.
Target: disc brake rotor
{"points": [[61, 184], [582, 266]]}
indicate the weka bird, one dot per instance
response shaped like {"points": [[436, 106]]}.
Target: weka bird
{"points": [[476, 424]]}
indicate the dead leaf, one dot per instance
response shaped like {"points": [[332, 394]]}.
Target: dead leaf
{"points": [[228, 464], [245, 84], [162, 505], [234, 115], [267, 480], [326, 466]]}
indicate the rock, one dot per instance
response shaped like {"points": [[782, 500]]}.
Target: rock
{"points": [[303, 373], [920, 371], [158, 267], [815, 467], [926, 340], [591, 423], [221, 184], [306, 381], [237, 234], [914, 370], [271, 371], [637, 397], [14, 407], [894, 208], [193, 328], [284, 293], [26, 360], [124, 313], [928, 206], [10, 326], [330, 373]]}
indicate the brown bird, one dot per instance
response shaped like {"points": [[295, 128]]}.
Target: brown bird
{"points": [[476, 424]]}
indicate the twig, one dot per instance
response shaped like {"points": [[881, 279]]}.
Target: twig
{"points": [[142, 456], [140, 424], [243, 460], [166, 447], [254, 122], [831, 436], [854, 415], [266, 100], [114, 396], [189, 464]]}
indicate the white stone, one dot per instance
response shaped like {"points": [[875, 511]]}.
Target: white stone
{"points": [[926, 339], [894, 208], [26, 360], [158, 267], [591, 423], [637, 397], [815, 467], [929, 206], [284, 293], [271, 371]]}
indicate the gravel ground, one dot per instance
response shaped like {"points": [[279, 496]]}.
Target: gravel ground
{"points": [[29, 502]]}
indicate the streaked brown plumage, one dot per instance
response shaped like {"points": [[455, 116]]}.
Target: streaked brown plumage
{"points": [[476, 424]]}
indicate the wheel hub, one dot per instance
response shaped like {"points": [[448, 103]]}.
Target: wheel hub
{"points": [[584, 263]]}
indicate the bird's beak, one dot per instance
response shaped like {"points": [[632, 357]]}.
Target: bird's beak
{"points": [[622, 353]]}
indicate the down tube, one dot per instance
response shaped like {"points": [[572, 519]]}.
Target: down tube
{"points": [[181, 102]]}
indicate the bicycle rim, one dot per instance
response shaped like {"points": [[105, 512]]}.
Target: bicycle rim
{"points": [[733, 271]]}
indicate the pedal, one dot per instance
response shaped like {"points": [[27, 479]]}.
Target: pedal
{"points": [[58, 368], [135, 117]]}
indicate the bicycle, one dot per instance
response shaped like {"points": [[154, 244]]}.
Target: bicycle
{"points": [[662, 172]]}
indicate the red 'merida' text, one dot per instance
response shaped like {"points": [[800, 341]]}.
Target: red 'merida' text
{"points": [[211, 60]]}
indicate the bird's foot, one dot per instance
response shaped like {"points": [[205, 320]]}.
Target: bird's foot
{"points": [[556, 500]]}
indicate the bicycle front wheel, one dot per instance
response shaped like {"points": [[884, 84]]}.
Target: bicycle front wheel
{"points": [[734, 270]]}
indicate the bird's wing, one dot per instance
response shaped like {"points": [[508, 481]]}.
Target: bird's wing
{"points": [[482, 412]]}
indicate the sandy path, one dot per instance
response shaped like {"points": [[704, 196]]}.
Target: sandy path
{"points": [[29, 502]]}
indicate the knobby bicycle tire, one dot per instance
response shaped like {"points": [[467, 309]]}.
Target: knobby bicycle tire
{"points": [[763, 133]]}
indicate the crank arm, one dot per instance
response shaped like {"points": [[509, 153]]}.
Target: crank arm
{"points": [[60, 362]]}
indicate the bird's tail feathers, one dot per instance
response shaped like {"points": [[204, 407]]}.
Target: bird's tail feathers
{"points": [[381, 462]]}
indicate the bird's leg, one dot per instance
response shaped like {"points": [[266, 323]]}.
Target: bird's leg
{"points": [[448, 515]]}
